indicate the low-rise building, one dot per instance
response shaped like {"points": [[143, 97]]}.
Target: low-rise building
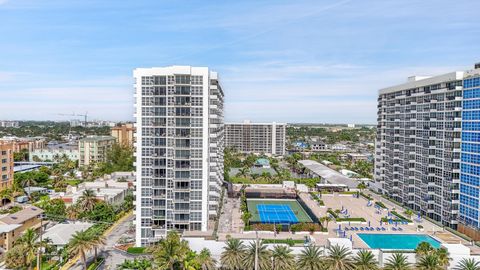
{"points": [[6, 165], [61, 234], [52, 154], [124, 134], [13, 225], [355, 157], [318, 146], [26, 143], [94, 149]]}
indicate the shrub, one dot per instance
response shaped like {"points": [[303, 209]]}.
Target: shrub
{"points": [[136, 250], [381, 205], [306, 227]]}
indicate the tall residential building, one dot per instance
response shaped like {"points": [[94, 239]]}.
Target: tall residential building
{"points": [[124, 134], [179, 150], [427, 153], [260, 138], [94, 149], [6, 165]]}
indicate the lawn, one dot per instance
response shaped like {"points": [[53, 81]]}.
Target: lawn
{"points": [[295, 206]]}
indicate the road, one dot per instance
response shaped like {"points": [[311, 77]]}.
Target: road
{"points": [[111, 255]]}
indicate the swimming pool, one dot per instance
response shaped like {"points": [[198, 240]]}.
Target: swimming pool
{"points": [[397, 241]]}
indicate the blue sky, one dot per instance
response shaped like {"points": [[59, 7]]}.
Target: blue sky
{"points": [[285, 61]]}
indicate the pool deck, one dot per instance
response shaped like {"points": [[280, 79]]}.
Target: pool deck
{"points": [[357, 207]]}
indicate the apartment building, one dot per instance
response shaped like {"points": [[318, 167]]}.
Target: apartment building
{"points": [[6, 165], [427, 152], [124, 134], [179, 150], [258, 138], [26, 143], [94, 149], [12, 226]]}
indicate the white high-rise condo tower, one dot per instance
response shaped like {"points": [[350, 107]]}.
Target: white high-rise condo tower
{"points": [[179, 150]]}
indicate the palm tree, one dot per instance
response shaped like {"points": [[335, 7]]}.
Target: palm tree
{"points": [[429, 262], [282, 258], [443, 257], [423, 249], [7, 194], [30, 245], [80, 244], [398, 261], [233, 255], [467, 264], [205, 260], [28, 181], [310, 259], [365, 260], [243, 172], [409, 213], [141, 264], [263, 255], [339, 258], [171, 252], [325, 219], [87, 200], [97, 240], [72, 212]]}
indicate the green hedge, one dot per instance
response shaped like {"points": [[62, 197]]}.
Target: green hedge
{"points": [[331, 212], [136, 250], [96, 264], [380, 204], [368, 197], [360, 219]]}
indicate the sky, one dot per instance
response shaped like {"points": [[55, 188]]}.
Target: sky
{"points": [[286, 61]]}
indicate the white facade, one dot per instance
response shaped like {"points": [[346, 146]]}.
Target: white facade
{"points": [[258, 138], [179, 149], [52, 154]]}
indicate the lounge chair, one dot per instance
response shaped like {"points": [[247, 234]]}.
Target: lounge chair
{"points": [[371, 228], [378, 229], [361, 228], [367, 229], [394, 229], [346, 229], [383, 229], [400, 229]]}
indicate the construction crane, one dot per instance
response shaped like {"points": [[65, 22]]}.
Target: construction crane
{"points": [[85, 116]]}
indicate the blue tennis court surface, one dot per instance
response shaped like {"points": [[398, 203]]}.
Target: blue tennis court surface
{"points": [[276, 213]]}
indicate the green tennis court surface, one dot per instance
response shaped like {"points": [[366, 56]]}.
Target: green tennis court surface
{"points": [[277, 211]]}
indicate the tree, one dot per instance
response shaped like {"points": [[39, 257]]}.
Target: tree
{"points": [[365, 260], [87, 200], [55, 209], [233, 255], [310, 259], [339, 258], [97, 239], [140, 264], [30, 245], [246, 216], [170, 252], [361, 186], [429, 262], [398, 261], [263, 255], [205, 260], [80, 243], [244, 171], [424, 248], [282, 258], [468, 264], [15, 257], [72, 212], [443, 256]]}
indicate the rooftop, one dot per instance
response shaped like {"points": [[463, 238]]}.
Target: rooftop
{"points": [[328, 174], [97, 138], [21, 216], [61, 234]]}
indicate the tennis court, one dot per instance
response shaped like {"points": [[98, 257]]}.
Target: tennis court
{"points": [[277, 211]]}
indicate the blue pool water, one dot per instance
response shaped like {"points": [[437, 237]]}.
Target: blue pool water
{"points": [[397, 241], [276, 213]]}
